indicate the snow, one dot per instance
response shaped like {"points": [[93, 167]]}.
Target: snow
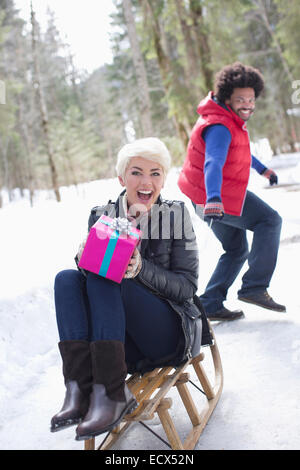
{"points": [[259, 407]]}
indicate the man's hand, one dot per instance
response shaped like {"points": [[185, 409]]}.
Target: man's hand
{"points": [[271, 176], [213, 209]]}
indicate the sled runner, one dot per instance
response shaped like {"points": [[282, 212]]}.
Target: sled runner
{"points": [[151, 392]]}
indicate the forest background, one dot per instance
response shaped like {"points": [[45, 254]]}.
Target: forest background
{"points": [[60, 125]]}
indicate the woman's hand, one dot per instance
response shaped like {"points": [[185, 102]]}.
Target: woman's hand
{"points": [[81, 248], [134, 266]]}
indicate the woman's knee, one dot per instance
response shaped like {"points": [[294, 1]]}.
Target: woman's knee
{"points": [[99, 284], [67, 278]]}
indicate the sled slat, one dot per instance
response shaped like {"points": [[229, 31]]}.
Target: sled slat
{"points": [[151, 391]]}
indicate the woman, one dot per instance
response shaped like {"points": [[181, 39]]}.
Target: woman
{"points": [[149, 320]]}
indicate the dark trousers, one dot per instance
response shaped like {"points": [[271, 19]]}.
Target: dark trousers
{"points": [[93, 308], [265, 223]]}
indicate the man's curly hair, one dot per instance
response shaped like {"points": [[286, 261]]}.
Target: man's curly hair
{"points": [[237, 75]]}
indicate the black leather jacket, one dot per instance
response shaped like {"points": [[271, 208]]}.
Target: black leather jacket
{"points": [[169, 269]]}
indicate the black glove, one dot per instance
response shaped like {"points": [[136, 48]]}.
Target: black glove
{"points": [[213, 209], [271, 175]]}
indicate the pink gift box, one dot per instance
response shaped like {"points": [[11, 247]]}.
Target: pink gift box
{"points": [[108, 250]]}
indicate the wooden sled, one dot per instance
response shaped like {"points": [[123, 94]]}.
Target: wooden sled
{"points": [[151, 391]]}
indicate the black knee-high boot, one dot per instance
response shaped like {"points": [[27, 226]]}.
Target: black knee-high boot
{"points": [[110, 399], [77, 372]]}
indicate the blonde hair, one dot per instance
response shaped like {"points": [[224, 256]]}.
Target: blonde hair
{"points": [[150, 148]]}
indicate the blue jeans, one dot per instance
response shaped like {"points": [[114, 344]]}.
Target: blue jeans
{"points": [[93, 308], [265, 223]]}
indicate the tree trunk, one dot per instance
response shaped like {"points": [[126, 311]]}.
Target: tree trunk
{"points": [[165, 70], [191, 56], [203, 43], [265, 19], [73, 76], [263, 14], [140, 70], [27, 138], [4, 155], [108, 138], [25, 125], [43, 109]]}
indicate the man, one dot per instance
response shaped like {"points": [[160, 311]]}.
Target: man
{"points": [[215, 176]]}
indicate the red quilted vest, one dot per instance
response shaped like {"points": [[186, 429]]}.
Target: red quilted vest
{"points": [[236, 170]]}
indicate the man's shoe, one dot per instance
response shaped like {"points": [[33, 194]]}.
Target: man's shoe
{"points": [[262, 299], [225, 315]]}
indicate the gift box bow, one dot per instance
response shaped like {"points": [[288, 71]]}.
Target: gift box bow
{"points": [[121, 225], [109, 247]]}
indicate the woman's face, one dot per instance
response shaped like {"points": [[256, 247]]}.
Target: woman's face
{"points": [[143, 180]]}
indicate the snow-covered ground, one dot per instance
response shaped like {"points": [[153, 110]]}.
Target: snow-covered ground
{"points": [[260, 404]]}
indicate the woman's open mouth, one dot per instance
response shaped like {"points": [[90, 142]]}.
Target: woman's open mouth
{"points": [[144, 195]]}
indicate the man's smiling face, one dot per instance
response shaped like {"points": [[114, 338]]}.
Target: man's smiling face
{"points": [[242, 102]]}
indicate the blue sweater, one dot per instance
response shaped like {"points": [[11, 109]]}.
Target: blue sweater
{"points": [[217, 140]]}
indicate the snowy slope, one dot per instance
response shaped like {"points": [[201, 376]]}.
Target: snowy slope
{"points": [[259, 407]]}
